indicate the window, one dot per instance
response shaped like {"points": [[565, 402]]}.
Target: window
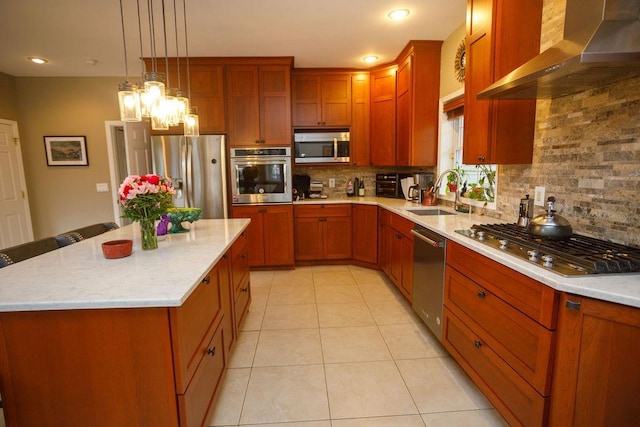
{"points": [[479, 182]]}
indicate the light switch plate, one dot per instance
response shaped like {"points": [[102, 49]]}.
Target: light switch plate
{"points": [[102, 187], [538, 198]]}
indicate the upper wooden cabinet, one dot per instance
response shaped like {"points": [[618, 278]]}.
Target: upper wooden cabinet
{"points": [[321, 99], [383, 116], [259, 104], [417, 97], [206, 78], [501, 35], [360, 116]]}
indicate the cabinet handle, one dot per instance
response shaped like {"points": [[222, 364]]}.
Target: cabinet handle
{"points": [[206, 280], [481, 159], [211, 351], [322, 219], [398, 236], [481, 294], [573, 305], [262, 210], [245, 289], [243, 256], [477, 344]]}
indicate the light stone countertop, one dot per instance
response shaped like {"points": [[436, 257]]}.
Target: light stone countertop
{"points": [[78, 276], [619, 288]]}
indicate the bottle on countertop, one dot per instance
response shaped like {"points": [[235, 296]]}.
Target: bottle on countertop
{"points": [[361, 187], [350, 188]]}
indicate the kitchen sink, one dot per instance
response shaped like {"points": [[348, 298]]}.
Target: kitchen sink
{"points": [[429, 212]]}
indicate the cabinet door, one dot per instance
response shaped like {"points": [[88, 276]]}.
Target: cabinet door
{"points": [[404, 112], [336, 100], [596, 380], [207, 95], [278, 235], [275, 104], [365, 233], [227, 303], [243, 105], [406, 281], [383, 117], [255, 237], [337, 237], [395, 257], [308, 238], [385, 234], [307, 103], [360, 124]]}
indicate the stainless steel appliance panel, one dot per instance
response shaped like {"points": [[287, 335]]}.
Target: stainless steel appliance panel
{"points": [[312, 146], [196, 167], [261, 175], [429, 250]]}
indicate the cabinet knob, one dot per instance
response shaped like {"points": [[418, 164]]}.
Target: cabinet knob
{"points": [[206, 280], [246, 289], [481, 294], [481, 159], [211, 351], [243, 256], [477, 344]]}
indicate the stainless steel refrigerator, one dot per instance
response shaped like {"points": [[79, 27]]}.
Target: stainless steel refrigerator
{"points": [[196, 167]]}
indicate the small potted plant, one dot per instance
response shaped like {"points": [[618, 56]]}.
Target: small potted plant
{"points": [[452, 185]]}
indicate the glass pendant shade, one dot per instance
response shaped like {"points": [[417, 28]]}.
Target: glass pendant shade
{"points": [[191, 124], [129, 102], [155, 89], [182, 105], [158, 122], [170, 107]]}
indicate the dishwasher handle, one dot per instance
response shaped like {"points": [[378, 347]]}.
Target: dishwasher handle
{"points": [[428, 240]]}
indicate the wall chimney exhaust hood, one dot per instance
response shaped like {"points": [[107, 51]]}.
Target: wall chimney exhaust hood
{"points": [[601, 45]]}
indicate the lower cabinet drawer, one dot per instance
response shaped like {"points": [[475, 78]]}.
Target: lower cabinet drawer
{"points": [[524, 344], [513, 397], [243, 296], [194, 404]]}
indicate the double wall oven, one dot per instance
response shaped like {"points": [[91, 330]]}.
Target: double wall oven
{"points": [[260, 175]]}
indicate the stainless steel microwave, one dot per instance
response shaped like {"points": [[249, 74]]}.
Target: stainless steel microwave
{"points": [[321, 146], [261, 175]]}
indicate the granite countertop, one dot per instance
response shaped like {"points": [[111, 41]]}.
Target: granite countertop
{"points": [[619, 288], [78, 276]]}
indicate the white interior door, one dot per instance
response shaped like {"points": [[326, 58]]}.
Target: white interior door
{"points": [[15, 216], [138, 145]]}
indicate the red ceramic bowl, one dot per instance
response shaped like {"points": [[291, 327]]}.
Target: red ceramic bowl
{"points": [[117, 248]]}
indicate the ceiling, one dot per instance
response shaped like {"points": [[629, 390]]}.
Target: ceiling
{"points": [[319, 33]]}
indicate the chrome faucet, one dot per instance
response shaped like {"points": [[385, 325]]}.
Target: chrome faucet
{"points": [[436, 187]]}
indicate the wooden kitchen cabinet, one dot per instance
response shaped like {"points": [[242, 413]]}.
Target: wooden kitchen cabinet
{"points": [[126, 366], [396, 251], [322, 232], [365, 233], [269, 235], [417, 104], [500, 325], [383, 116], [501, 35], [240, 279], [321, 99], [360, 119], [259, 103], [596, 379], [207, 91]]}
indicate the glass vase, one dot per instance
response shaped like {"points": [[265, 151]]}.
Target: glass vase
{"points": [[148, 235]]}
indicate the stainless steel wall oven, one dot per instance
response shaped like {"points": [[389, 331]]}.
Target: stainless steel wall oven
{"points": [[260, 175]]}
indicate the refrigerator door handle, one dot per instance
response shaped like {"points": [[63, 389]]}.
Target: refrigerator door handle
{"points": [[183, 169], [189, 175]]}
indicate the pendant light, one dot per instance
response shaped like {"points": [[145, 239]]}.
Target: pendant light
{"points": [[191, 120], [128, 97]]}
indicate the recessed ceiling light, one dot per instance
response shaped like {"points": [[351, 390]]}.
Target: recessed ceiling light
{"points": [[398, 14], [370, 59], [37, 60]]}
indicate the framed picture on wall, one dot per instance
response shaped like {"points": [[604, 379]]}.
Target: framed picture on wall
{"points": [[66, 150]]}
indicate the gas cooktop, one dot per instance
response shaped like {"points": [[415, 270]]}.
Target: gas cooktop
{"points": [[578, 255]]}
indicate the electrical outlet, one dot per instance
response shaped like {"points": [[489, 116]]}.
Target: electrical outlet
{"points": [[332, 182], [538, 198], [102, 187]]}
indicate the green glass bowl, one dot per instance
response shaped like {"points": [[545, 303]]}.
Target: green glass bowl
{"points": [[179, 215]]}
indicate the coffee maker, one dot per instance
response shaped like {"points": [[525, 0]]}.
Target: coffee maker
{"points": [[526, 211]]}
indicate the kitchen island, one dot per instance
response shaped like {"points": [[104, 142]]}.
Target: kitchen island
{"points": [[139, 340]]}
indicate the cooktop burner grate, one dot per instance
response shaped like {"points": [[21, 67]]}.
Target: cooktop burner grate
{"points": [[587, 255]]}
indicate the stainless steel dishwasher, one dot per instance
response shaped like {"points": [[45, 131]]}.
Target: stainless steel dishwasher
{"points": [[428, 277]]}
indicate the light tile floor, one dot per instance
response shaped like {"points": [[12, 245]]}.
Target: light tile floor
{"points": [[339, 346]]}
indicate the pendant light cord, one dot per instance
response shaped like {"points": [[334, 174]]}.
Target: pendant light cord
{"points": [[166, 52], [124, 43], [152, 35], [186, 44], [175, 26]]}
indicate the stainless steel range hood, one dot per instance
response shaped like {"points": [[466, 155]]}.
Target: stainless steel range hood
{"points": [[601, 45]]}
